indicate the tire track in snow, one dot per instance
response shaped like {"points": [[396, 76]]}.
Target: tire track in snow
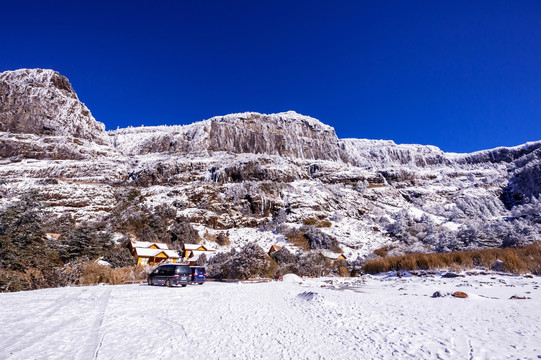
{"points": [[95, 336]]}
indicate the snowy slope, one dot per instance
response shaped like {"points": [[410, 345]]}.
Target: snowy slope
{"points": [[374, 317]]}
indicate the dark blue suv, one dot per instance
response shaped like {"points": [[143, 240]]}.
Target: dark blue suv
{"points": [[170, 275], [199, 275]]}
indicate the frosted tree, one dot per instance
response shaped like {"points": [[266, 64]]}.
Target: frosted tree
{"points": [[400, 228]]}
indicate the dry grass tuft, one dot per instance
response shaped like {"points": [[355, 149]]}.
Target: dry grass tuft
{"points": [[518, 260], [93, 273], [317, 223], [324, 224], [297, 238], [310, 222], [384, 250]]}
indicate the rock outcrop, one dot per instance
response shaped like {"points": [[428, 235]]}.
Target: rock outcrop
{"points": [[284, 134], [42, 102]]}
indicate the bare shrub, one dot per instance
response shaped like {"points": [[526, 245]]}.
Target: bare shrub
{"points": [[343, 271], [317, 223], [223, 239], [93, 273]]}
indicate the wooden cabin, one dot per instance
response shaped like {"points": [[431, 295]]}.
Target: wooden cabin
{"points": [[156, 256], [193, 251], [152, 253]]}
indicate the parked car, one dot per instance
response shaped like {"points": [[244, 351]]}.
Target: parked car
{"points": [[170, 275], [199, 275]]}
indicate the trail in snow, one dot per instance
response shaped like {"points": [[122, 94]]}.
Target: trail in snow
{"points": [[374, 317]]}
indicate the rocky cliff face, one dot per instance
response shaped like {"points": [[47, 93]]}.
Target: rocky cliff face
{"points": [[42, 102], [285, 134], [264, 177]]}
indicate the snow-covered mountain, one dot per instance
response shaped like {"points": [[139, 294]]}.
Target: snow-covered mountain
{"points": [[260, 177]]}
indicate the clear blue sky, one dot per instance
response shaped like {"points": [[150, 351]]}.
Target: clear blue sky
{"points": [[461, 75]]}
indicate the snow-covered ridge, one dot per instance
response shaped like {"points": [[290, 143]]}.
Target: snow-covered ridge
{"points": [[499, 154], [290, 134], [383, 153], [286, 134], [287, 117]]}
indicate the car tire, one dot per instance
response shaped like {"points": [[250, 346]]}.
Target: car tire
{"points": [[201, 283], [184, 285], [149, 281], [168, 283]]}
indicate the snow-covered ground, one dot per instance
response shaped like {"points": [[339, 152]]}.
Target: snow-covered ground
{"points": [[374, 317]]}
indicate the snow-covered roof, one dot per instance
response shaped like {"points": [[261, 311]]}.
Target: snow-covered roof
{"points": [[197, 253], [197, 246], [332, 255], [172, 253], [145, 252], [290, 248], [192, 246], [147, 244]]}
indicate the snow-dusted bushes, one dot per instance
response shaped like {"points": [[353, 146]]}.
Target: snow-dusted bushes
{"points": [[408, 229], [83, 242], [250, 262], [118, 257], [27, 259], [309, 263], [319, 240], [526, 182], [530, 211], [313, 263], [287, 262]]}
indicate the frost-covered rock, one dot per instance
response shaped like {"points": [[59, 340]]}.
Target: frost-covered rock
{"points": [[42, 102], [285, 134]]}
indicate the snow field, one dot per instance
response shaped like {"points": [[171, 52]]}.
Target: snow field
{"points": [[378, 317]]}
